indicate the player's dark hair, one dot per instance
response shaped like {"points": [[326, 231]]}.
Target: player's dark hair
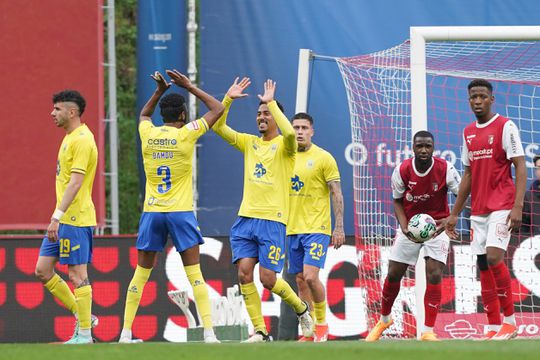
{"points": [[278, 105], [70, 96], [303, 116], [171, 107], [423, 133], [480, 83]]}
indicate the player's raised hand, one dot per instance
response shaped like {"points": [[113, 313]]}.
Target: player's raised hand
{"points": [[269, 91], [338, 237], [450, 227], [179, 79], [237, 88], [162, 84]]}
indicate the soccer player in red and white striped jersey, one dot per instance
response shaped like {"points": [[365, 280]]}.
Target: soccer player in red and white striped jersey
{"points": [[491, 145], [419, 186]]}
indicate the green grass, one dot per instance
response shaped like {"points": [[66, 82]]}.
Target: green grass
{"points": [[334, 350]]}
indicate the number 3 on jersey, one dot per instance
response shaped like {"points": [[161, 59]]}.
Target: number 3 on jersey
{"points": [[164, 171]]}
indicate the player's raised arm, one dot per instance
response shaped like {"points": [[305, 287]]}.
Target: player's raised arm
{"points": [[236, 91], [214, 106], [161, 87], [281, 120]]}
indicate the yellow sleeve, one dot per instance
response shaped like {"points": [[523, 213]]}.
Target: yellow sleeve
{"points": [[82, 150], [195, 129], [289, 136], [144, 128], [331, 171], [228, 134]]}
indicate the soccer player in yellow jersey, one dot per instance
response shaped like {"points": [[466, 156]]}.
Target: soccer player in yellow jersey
{"points": [[168, 205], [316, 177], [258, 235], [69, 235]]}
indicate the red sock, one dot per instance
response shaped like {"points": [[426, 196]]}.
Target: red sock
{"points": [[389, 294], [489, 297], [432, 302], [504, 287]]}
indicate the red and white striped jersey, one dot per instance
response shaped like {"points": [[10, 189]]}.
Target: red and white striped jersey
{"points": [[425, 193], [488, 149]]}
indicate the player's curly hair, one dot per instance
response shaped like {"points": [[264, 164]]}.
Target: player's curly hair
{"points": [[480, 83], [70, 96], [172, 106]]}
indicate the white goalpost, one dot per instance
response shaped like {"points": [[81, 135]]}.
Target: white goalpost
{"points": [[421, 84]]}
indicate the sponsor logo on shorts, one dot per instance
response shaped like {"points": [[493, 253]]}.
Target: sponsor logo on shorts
{"points": [[501, 231]]}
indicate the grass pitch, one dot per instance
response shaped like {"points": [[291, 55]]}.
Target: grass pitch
{"points": [[332, 350]]}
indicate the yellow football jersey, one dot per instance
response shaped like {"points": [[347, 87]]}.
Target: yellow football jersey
{"points": [[78, 153], [167, 155], [309, 192], [268, 166]]}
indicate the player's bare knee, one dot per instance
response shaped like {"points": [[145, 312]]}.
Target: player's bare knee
{"points": [[311, 279], [268, 280], [43, 275], [244, 276], [493, 259], [434, 277], [393, 276]]}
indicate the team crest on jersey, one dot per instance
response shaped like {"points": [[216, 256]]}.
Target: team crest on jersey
{"points": [[310, 163], [490, 139], [274, 147], [259, 170], [435, 186], [255, 147], [296, 183]]}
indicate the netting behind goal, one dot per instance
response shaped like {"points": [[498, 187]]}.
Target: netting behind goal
{"points": [[378, 90]]}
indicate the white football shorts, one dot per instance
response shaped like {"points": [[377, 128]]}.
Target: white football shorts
{"points": [[489, 230], [405, 251]]}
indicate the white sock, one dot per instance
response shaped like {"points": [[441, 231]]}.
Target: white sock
{"points": [[126, 333], [209, 333], [510, 320], [493, 327], [386, 318], [427, 329], [85, 332]]}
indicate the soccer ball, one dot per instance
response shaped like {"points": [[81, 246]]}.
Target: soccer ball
{"points": [[422, 227]]}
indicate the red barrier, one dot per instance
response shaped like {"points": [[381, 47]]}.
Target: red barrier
{"points": [[41, 55]]}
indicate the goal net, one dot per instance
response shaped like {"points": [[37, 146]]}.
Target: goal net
{"points": [[379, 94]]}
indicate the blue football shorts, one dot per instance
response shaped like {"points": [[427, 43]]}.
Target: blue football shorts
{"points": [[155, 227], [260, 239], [74, 245], [308, 249]]}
